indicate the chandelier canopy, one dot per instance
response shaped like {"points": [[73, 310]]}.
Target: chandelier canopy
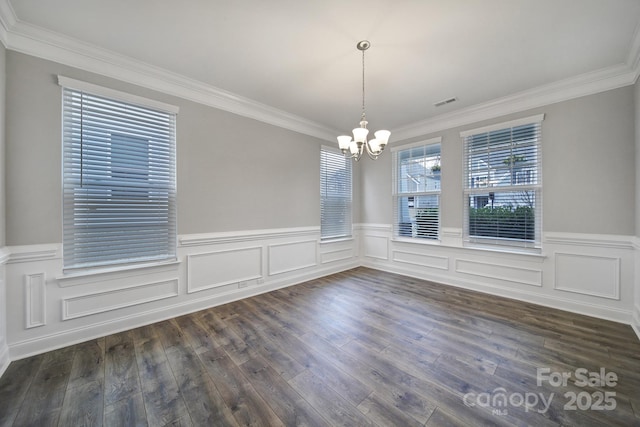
{"points": [[354, 148]]}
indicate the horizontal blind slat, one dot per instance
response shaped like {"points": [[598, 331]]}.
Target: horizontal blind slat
{"points": [[335, 195], [503, 186], [417, 177], [119, 181]]}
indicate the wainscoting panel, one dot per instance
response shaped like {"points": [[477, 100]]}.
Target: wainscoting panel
{"points": [[422, 260], [288, 257], [635, 322], [35, 299], [4, 346], [376, 247], [341, 250], [336, 255], [515, 274], [214, 269], [586, 274], [101, 302]]}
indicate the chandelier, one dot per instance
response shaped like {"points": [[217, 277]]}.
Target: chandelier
{"points": [[356, 147]]}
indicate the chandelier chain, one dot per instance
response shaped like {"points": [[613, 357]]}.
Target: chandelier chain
{"points": [[354, 148], [363, 113]]}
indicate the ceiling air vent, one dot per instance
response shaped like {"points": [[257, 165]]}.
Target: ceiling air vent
{"points": [[445, 101]]}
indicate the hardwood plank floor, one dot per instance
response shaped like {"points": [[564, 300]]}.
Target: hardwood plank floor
{"points": [[361, 348]]}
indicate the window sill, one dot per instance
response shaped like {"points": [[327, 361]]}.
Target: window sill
{"points": [[336, 240], [534, 253], [417, 241], [90, 275]]}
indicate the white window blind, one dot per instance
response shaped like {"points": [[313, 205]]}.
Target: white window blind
{"points": [[335, 194], [417, 172], [503, 184], [119, 183]]}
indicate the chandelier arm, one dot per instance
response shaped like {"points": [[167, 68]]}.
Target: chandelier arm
{"points": [[355, 156], [370, 152], [373, 157], [361, 150]]}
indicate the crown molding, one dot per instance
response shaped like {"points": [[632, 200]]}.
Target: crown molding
{"points": [[575, 87], [39, 42], [633, 59], [7, 20], [586, 84]]}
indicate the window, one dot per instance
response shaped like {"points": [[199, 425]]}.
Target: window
{"points": [[119, 185], [503, 202], [417, 190], [335, 194]]}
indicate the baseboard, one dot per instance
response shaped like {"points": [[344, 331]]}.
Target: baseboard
{"points": [[592, 310], [635, 321], [4, 358], [27, 348]]}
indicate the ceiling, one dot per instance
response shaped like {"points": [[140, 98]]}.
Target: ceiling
{"points": [[300, 57]]}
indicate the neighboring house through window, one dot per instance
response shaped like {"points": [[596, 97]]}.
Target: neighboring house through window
{"points": [[119, 184], [335, 194], [417, 172], [503, 188]]}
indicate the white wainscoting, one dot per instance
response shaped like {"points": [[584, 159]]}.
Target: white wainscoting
{"points": [[292, 256], [420, 259], [35, 300], [338, 251], [49, 309], [587, 274], [590, 275], [5, 359], [46, 309], [375, 240], [501, 272], [127, 296], [635, 322], [376, 247], [220, 268]]}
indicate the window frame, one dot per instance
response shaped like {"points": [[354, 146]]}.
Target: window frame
{"points": [[144, 191], [490, 192], [398, 232], [347, 231]]}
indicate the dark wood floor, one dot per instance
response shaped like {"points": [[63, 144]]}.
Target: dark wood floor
{"points": [[358, 348]]}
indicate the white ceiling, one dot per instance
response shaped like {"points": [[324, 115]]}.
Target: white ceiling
{"points": [[300, 56]]}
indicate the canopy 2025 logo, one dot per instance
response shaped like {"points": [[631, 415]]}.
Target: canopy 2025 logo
{"points": [[599, 400], [583, 400]]}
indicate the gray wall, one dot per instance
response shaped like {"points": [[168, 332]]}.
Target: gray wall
{"points": [[637, 158], [637, 213], [3, 86], [4, 356], [234, 173], [588, 168]]}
